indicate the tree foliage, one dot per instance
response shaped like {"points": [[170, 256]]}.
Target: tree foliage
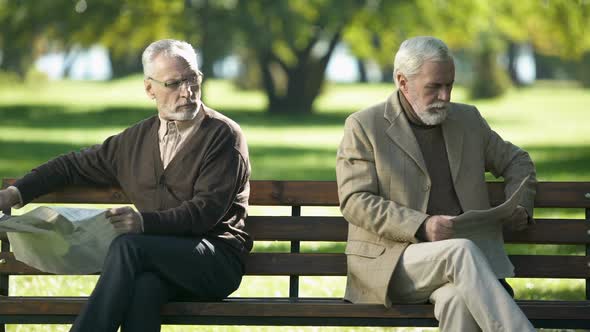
{"points": [[290, 41]]}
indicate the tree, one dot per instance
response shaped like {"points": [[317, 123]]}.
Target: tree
{"points": [[554, 27], [123, 27], [292, 42], [23, 33], [63, 25], [561, 28]]}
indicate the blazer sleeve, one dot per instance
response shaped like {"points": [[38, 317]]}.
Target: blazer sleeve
{"points": [[361, 202], [507, 160]]}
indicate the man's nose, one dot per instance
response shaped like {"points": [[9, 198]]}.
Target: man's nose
{"points": [[444, 94], [185, 90]]}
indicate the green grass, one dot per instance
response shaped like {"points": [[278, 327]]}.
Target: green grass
{"points": [[40, 122]]}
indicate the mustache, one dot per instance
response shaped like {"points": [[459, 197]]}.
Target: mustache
{"points": [[438, 104], [187, 104]]}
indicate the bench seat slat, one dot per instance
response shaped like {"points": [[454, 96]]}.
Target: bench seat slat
{"points": [[282, 264], [335, 229]]}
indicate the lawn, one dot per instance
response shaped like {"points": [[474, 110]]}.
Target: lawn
{"points": [[42, 121]]}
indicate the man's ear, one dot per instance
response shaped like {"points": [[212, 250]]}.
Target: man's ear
{"points": [[402, 82], [149, 89]]}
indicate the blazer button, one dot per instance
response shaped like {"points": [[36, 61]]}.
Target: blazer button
{"points": [[427, 187]]}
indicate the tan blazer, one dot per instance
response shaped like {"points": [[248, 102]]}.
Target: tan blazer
{"points": [[383, 185]]}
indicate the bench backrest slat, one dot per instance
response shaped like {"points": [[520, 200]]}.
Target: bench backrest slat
{"points": [[286, 228], [324, 193]]}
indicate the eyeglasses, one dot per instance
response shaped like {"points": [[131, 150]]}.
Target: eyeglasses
{"points": [[176, 84]]}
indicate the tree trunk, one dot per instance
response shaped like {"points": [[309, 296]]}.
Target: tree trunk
{"points": [[362, 71], [126, 65], [303, 80], [512, 55], [205, 47], [584, 70], [303, 88], [16, 61], [490, 80]]}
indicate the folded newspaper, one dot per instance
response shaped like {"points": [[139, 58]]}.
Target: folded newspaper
{"points": [[485, 229], [60, 240]]}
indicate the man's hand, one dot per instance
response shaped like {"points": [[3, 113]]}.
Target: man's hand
{"points": [[8, 198], [437, 228], [518, 221], [125, 220]]}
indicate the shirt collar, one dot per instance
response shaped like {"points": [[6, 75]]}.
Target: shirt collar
{"points": [[183, 127]]}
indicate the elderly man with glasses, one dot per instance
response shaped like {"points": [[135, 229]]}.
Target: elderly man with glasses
{"points": [[187, 171]]}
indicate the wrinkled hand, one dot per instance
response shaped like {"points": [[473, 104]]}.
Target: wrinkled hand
{"points": [[437, 228], [125, 220], [8, 198], [518, 221]]}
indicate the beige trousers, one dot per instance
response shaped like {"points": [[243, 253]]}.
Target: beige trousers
{"points": [[456, 277]]}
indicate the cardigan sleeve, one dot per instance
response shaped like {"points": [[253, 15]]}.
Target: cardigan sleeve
{"points": [[94, 166]]}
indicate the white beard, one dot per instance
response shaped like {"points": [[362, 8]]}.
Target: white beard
{"points": [[434, 114], [183, 115]]}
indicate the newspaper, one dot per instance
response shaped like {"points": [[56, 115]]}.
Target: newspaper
{"points": [[484, 228], [60, 240]]}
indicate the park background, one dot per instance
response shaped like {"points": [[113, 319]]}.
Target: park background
{"points": [[290, 72]]}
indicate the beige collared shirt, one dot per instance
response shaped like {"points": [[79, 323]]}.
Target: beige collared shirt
{"points": [[172, 135]]}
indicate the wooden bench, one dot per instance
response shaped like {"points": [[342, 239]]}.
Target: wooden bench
{"points": [[296, 310]]}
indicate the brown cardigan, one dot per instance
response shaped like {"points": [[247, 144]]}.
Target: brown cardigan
{"points": [[203, 191]]}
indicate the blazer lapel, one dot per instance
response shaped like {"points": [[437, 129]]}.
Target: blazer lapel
{"points": [[453, 134], [400, 132]]}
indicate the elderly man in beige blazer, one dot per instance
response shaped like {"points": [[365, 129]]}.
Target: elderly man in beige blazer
{"points": [[405, 167]]}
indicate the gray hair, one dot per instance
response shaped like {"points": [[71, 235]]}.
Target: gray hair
{"points": [[169, 48], [414, 52]]}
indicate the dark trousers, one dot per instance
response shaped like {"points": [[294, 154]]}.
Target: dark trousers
{"points": [[142, 272]]}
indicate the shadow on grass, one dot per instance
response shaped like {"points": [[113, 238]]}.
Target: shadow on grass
{"points": [[561, 163], [51, 116], [18, 158], [33, 116], [553, 163], [287, 163]]}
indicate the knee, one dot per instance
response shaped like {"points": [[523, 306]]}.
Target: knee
{"points": [[122, 242], [123, 247], [464, 247]]}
